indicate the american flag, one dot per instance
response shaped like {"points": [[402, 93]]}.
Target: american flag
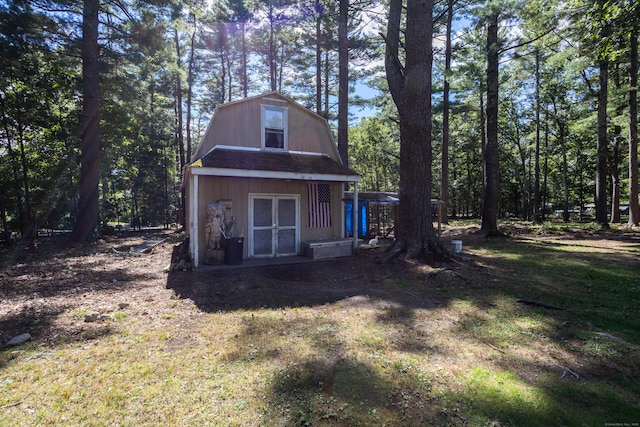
{"points": [[319, 196]]}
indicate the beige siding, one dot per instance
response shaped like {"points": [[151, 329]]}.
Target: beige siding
{"points": [[308, 132], [237, 190], [239, 124], [235, 125]]}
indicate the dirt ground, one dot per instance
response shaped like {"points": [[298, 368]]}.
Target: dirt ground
{"points": [[48, 287]]}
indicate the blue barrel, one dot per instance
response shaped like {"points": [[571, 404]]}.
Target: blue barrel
{"points": [[362, 219]]}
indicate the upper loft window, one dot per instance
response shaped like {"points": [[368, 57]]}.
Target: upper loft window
{"points": [[274, 128]]}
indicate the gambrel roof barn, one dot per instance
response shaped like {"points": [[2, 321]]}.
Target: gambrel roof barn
{"points": [[275, 167]]}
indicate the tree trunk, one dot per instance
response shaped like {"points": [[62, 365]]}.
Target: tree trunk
{"points": [[165, 186], [222, 55], [87, 221], [565, 174], [614, 168], [545, 173], [444, 180], [581, 195], [14, 164], [565, 164], [615, 155], [410, 87], [31, 229], [327, 89], [190, 79], [537, 218], [6, 233], [634, 208], [178, 104], [179, 125], [468, 196], [245, 82], [454, 194], [104, 203], [230, 75], [272, 50], [601, 166], [491, 164], [318, 58], [343, 83], [482, 123], [135, 211], [524, 198], [280, 69]]}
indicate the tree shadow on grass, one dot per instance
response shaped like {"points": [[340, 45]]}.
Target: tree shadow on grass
{"points": [[40, 324], [47, 290], [37, 297], [331, 386], [321, 391], [282, 286], [314, 379]]}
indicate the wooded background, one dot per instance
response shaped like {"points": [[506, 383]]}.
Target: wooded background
{"points": [[564, 87]]}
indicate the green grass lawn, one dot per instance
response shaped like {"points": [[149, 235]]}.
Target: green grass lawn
{"points": [[451, 348]]}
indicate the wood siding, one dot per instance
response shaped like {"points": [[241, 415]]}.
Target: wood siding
{"points": [[239, 124], [237, 190]]}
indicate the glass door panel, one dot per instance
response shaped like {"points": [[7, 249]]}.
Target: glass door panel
{"points": [[287, 214], [262, 227], [262, 212], [286, 242], [287, 227], [275, 226]]}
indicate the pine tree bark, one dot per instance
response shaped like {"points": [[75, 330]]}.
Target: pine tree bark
{"points": [[615, 175], [491, 164], [410, 87], [31, 229], [444, 186], [190, 83], [634, 208], [318, 58], [14, 163], [601, 156], [343, 83], [565, 166], [178, 127], [272, 48], [6, 234], [245, 80], [537, 217], [601, 151], [86, 226]]}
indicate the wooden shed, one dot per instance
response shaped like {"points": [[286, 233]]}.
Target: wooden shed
{"points": [[275, 168]]}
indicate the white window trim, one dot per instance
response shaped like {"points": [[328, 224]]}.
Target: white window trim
{"points": [[285, 110]]}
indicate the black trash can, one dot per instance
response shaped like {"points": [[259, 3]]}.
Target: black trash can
{"points": [[233, 251]]}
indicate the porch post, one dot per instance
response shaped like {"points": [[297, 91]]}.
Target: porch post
{"points": [[193, 238], [356, 208]]}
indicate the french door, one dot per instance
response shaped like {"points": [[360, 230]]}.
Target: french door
{"points": [[274, 225]]}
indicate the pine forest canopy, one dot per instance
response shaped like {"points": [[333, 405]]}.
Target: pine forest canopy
{"points": [[540, 114]]}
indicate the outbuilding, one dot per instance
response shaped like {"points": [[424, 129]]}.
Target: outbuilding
{"points": [[267, 177]]}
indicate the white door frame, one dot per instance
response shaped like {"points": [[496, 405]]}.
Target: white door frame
{"points": [[275, 226]]}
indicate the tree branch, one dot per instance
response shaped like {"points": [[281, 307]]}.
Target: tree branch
{"points": [[592, 91], [394, 69], [525, 43]]}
